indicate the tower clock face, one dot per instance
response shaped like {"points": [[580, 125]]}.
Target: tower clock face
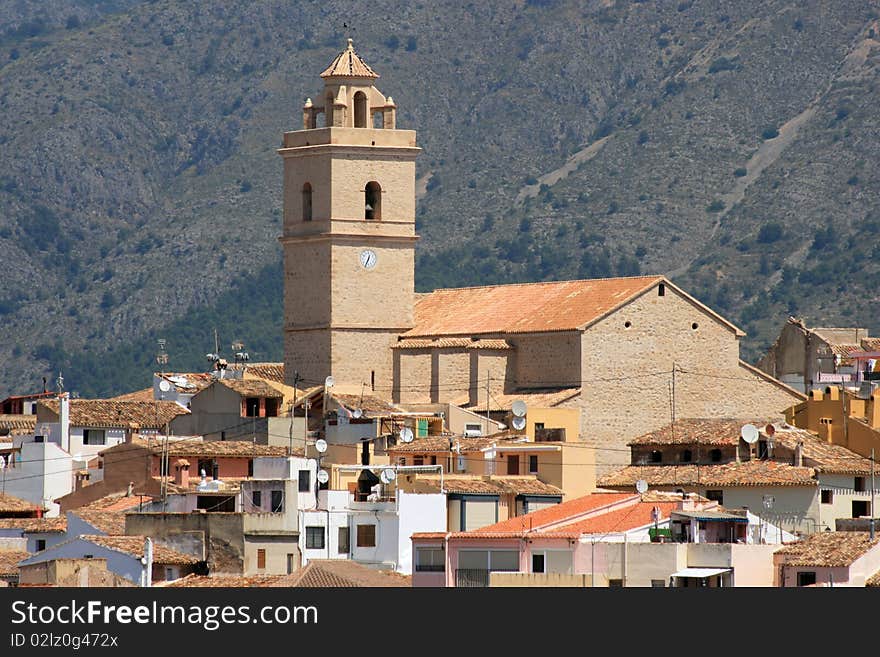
{"points": [[368, 258]]}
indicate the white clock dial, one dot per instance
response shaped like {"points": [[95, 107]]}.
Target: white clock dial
{"points": [[368, 258]]}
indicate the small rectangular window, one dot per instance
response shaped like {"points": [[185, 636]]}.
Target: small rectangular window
{"points": [[615, 583], [257, 499], [41, 544], [538, 562], [366, 535], [261, 559], [827, 497], [343, 541], [305, 481], [859, 485], [806, 578], [314, 538], [715, 496], [658, 583], [430, 560], [277, 501], [533, 464], [418, 460]]}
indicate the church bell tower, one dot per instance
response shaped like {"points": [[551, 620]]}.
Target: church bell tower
{"points": [[349, 232]]}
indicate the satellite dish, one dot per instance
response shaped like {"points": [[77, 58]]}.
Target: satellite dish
{"points": [[323, 477], [321, 445], [384, 477], [406, 435], [203, 473], [749, 433], [770, 430], [328, 382], [519, 423], [357, 413], [390, 474], [641, 486], [164, 386], [519, 408]]}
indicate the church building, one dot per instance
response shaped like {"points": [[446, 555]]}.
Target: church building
{"points": [[630, 353]]}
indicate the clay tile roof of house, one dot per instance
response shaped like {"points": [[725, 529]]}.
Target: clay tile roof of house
{"points": [[463, 343], [225, 581], [871, 344], [17, 425], [10, 504], [44, 525], [747, 473], [472, 486], [824, 457], [619, 520], [535, 397], [873, 580], [336, 573], [527, 485], [188, 382], [208, 448], [349, 64], [442, 443], [146, 394], [134, 546], [828, 549], [9, 561], [558, 513], [251, 388], [114, 413], [698, 431], [369, 404], [523, 308], [269, 371], [108, 522]]}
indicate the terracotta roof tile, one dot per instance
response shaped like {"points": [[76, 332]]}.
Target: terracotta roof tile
{"points": [[698, 431], [472, 486], [823, 456], [873, 580], [145, 395], [115, 413], [427, 444], [10, 504], [17, 425], [107, 522], [338, 573], [206, 448], [451, 343], [251, 388], [273, 372], [349, 64], [559, 512], [9, 561], [534, 397], [538, 307], [371, 405], [115, 502], [46, 525], [638, 515], [236, 581], [134, 546], [747, 473], [188, 382], [828, 549]]}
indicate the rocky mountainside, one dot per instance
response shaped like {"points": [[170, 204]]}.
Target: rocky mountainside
{"points": [[728, 144]]}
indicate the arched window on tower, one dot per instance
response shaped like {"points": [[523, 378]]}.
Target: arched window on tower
{"points": [[360, 110], [307, 202], [373, 201]]}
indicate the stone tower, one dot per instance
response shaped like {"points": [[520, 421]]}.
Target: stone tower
{"points": [[349, 232]]}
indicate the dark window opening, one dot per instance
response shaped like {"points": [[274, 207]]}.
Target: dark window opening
{"points": [[257, 499], [434, 460], [366, 535], [343, 541], [656, 456], [272, 407], [418, 460], [373, 199], [763, 451], [373, 380], [807, 578], [250, 467], [533, 464], [513, 464], [365, 453], [206, 466], [305, 481], [715, 455], [252, 407], [360, 110], [277, 501], [859, 485], [537, 563], [41, 544], [827, 497], [687, 456], [307, 202], [661, 290], [715, 496], [860, 508], [94, 437], [314, 538]]}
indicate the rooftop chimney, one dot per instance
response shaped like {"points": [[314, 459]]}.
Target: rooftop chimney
{"points": [[799, 454], [64, 419], [181, 473]]}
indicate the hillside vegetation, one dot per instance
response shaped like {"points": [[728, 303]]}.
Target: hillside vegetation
{"points": [[729, 144]]}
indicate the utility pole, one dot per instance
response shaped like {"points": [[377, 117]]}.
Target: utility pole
{"points": [[306, 426]]}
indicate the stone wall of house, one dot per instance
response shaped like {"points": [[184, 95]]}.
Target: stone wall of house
{"points": [[548, 359], [633, 351]]}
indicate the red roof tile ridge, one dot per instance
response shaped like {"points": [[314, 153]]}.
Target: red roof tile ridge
{"points": [[543, 283]]}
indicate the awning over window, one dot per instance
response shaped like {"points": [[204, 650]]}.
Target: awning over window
{"points": [[700, 572]]}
